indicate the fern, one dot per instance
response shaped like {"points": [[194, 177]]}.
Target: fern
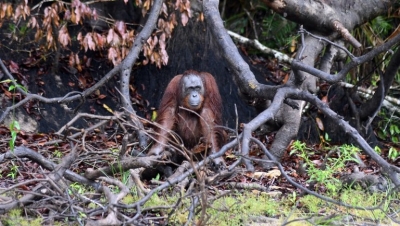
{"points": [[382, 25], [277, 32]]}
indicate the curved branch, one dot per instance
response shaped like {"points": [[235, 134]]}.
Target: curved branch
{"points": [[129, 61], [297, 64], [370, 106], [30, 96], [244, 78], [179, 178]]}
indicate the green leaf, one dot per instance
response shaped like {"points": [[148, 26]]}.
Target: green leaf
{"points": [[327, 137], [393, 153], [22, 87], [396, 129], [14, 125], [377, 149], [381, 135], [6, 81]]}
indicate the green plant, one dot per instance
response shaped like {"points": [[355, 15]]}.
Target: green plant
{"points": [[82, 215], [18, 32], [114, 150], [13, 171], [393, 153], [14, 86], [293, 198], [332, 165], [278, 32], [326, 137], [14, 125], [125, 177], [157, 178], [299, 146], [76, 187], [389, 127], [377, 149], [382, 26], [14, 130], [57, 153], [129, 199]]}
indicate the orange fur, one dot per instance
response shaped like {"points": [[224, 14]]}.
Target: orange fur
{"points": [[189, 126]]}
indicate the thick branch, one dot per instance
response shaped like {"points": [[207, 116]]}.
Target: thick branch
{"points": [[331, 15], [131, 163], [244, 78], [130, 60]]}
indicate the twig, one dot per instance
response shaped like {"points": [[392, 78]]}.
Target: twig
{"points": [[256, 44], [370, 92], [24, 152], [129, 163], [56, 174], [30, 96], [297, 64], [302, 31]]}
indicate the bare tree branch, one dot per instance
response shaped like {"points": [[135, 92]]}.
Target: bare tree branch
{"points": [[296, 64]]}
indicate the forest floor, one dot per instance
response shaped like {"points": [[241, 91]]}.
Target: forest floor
{"points": [[250, 198]]}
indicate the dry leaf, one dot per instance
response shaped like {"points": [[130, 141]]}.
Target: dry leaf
{"points": [[184, 19], [320, 124], [325, 99], [82, 82], [88, 42], [63, 36], [270, 174], [120, 26], [107, 108], [99, 40]]}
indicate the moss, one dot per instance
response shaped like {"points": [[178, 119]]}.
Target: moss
{"points": [[313, 206], [14, 217], [237, 209], [129, 199]]}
